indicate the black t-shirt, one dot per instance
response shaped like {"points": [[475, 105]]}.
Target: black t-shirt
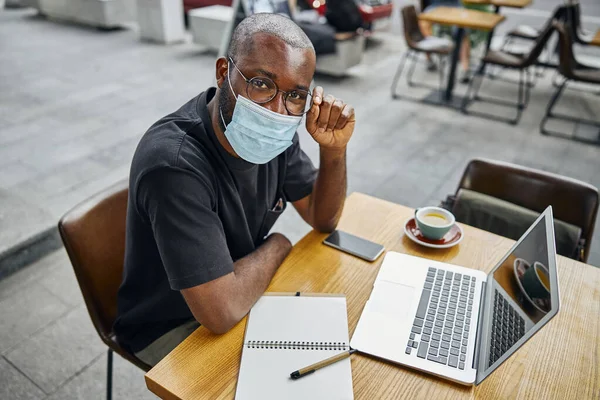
{"points": [[194, 210]]}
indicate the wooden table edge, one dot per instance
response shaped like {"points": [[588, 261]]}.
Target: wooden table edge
{"points": [[500, 3], [426, 16], [157, 389]]}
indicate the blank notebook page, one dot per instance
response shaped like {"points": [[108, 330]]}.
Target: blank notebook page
{"points": [[286, 333]]}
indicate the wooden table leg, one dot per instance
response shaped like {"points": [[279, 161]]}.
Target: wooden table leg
{"points": [[458, 37]]}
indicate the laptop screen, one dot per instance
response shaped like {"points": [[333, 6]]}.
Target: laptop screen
{"points": [[521, 295]]}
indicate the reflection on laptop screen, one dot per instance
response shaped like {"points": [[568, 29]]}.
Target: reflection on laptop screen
{"points": [[520, 292]]}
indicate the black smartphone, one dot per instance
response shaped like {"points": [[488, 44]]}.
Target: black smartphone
{"points": [[354, 245]]}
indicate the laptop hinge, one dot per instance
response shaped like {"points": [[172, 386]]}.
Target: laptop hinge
{"points": [[479, 326]]}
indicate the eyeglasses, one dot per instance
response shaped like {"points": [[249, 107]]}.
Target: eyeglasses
{"points": [[261, 90]]}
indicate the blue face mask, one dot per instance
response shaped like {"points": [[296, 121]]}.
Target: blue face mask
{"points": [[259, 135]]}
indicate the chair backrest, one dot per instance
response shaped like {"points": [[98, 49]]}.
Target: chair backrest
{"points": [[574, 202], [412, 32], [566, 58], [93, 233], [560, 13], [540, 43], [576, 26]]}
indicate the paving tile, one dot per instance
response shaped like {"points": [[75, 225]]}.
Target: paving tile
{"points": [[20, 132], [409, 189], [16, 172], [15, 386], [17, 282], [128, 382], [71, 339], [19, 220], [60, 280], [25, 312]]}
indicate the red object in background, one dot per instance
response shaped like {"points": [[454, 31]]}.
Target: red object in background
{"points": [[367, 13], [191, 4], [370, 14]]}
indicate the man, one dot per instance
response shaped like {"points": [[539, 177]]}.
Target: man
{"points": [[208, 182]]}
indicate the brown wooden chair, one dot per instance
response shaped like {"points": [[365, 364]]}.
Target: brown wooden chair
{"points": [[571, 71], [503, 59], [94, 236], [527, 191], [417, 44]]}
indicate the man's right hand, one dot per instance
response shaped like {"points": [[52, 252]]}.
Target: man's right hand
{"points": [[223, 302]]}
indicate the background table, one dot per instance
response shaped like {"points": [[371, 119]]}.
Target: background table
{"points": [[500, 3], [462, 19], [560, 362]]}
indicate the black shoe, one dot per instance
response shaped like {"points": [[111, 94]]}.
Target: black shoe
{"points": [[465, 77], [431, 66]]}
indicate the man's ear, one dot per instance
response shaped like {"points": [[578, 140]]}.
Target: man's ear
{"points": [[221, 70]]}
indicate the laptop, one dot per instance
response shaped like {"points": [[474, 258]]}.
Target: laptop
{"points": [[459, 323]]}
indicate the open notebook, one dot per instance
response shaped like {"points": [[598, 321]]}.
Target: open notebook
{"points": [[284, 333]]}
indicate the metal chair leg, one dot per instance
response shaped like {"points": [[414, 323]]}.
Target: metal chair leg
{"points": [[529, 76], [473, 94], [411, 70], [564, 117], [109, 373], [479, 83], [399, 73], [550, 106], [442, 76], [467, 98], [555, 81], [521, 97], [507, 41]]}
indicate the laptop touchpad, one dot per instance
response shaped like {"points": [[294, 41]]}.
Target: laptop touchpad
{"points": [[392, 299]]}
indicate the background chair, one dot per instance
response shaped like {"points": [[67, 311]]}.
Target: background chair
{"points": [[505, 199], [94, 236], [507, 60], [580, 35], [531, 34], [570, 71], [417, 43]]}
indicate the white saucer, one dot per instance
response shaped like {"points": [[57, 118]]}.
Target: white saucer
{"points": [[452, 238]]}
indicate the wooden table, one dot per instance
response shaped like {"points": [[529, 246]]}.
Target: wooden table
{"points": [[596, 40], [462, 19], [560, 362], [500, 3]]}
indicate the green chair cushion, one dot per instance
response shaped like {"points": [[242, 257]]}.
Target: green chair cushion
{"points": [[510, 220]]}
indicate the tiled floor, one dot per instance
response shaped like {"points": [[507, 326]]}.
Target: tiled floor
{"points": [[73, 104]]}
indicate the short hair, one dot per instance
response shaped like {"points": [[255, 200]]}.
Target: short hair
{"points": [[272, 24]]}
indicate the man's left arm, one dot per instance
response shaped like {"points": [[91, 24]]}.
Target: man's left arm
{"points": [[331, 123]]}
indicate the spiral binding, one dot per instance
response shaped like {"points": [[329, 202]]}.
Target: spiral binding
{"points": [[289, 345]]}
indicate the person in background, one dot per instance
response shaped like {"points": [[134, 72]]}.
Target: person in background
{"points": [[465, 48]]}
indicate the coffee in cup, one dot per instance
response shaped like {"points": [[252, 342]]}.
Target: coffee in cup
{"points": [[434, 222], [536, 281]]}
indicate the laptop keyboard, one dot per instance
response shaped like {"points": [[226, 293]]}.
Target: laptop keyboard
{"points": [[440, 331], [507, 328]]}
